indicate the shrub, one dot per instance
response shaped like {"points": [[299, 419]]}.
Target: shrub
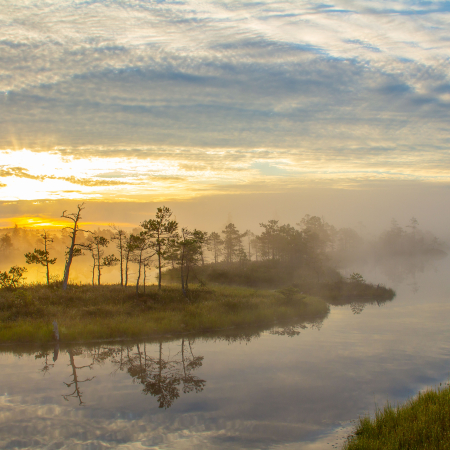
{"points": [[13, 278]]}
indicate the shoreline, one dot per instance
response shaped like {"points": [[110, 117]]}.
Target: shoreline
{"points": [[86, 313]]}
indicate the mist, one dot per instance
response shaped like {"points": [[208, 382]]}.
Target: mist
{"points": [[357, 248]]}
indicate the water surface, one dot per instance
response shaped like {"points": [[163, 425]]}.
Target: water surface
{"points": [[296, 388]]}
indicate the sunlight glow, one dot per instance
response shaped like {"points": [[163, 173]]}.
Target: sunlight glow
{"points": [[167, 173]]}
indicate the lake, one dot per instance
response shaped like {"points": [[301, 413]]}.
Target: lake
{"points": [[285, 388]]}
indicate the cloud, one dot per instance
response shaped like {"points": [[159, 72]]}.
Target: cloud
{"points": [[19, 172], [91, 182], [349, 88]]}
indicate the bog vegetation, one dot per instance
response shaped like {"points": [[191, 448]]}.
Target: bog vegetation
{"points": [[294, 262], [421, 423], [112, 312]]}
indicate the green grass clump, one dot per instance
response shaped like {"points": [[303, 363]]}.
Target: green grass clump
{"points": [[85, 312], [421, 423]]}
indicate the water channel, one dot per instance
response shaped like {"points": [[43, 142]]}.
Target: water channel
{"points": [[286, 388]]}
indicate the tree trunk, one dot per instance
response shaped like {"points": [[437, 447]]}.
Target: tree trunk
{"points": [[139, 274], [121, 263], [69, 260], [182, 280], [98, 265], [75, 218], [159, 263], [46, 257], [126, 269], [144, 278]]}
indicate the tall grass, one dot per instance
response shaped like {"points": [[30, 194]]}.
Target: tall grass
{"points": [[85, 312], [421, 423]]}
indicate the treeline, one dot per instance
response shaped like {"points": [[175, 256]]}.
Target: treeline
{"points": [[276, 255]]}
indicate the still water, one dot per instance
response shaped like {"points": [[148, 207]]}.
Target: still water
{"points": [[296, 388]]}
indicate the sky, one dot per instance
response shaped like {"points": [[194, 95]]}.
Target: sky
{"points": [[242, 111]]}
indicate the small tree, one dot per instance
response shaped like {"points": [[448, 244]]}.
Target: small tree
{"points": [[6, 243], [232, 242], [269, 239], [202, 237], [108, 261], [214, 244], [160, 231], [13, 278], [189, 253], [120, 237], [42, 257], [250, 236], [129, 249], [95, 245], [140, 245]]}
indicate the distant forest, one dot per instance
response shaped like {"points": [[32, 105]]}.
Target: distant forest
{"points": [[274, 256]]}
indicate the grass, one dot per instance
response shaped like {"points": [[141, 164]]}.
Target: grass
{"points": [[84, 312], [328, 284], [421, 423]]}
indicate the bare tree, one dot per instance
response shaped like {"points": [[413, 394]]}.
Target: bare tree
{"points": [[75, 218]]}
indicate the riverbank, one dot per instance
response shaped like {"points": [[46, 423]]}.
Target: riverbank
{"points": [[421, 423], [85, 312]]}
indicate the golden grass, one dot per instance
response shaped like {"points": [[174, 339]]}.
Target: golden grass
{"points": [[86, 313]]}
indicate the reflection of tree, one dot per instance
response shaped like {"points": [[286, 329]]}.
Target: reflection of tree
{"points": [[161, 376], [162, 382], [75, 381], [357, 308], [289, 331], [190, 363], [46, 365], [44, 355]]}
